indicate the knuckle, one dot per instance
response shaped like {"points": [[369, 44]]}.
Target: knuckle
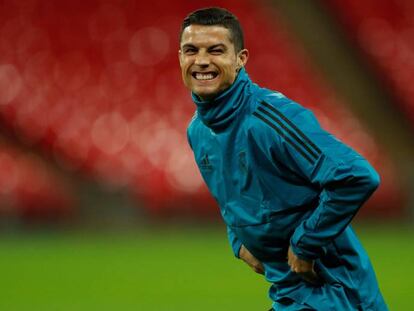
{"points": [[257, 270]]}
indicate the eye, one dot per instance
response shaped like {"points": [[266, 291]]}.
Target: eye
{"points": [[217, 51], [190, 51]]}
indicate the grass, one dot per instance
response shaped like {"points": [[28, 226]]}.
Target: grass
{"points": [[391, 250], [168, 270]]}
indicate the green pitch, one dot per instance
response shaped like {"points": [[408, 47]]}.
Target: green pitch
{"points": [[164, 270]]}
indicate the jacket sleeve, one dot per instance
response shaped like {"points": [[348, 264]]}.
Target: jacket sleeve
{"points": [[234, 242], [342, 177]]}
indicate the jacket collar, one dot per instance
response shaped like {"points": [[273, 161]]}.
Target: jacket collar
{"points": [[218, 113]]}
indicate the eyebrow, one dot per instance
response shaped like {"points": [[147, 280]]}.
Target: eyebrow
{"points": [[189, 45], [217, 46]]}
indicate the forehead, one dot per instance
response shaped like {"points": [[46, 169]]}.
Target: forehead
{"points": [[201, 35]]}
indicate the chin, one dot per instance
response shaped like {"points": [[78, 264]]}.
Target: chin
{"points": [[206, 95]]}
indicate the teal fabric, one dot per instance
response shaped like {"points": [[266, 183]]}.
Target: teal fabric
{"points": [[281, 180]]}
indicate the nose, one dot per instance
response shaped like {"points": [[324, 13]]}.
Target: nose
{"points": [[202, 60]]}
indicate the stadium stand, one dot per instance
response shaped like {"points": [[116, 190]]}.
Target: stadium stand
{"points": [[28, 189], [97, 85], [384, 32]]}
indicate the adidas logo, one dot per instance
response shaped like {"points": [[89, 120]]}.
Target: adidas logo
{"points": [[205, 164]]}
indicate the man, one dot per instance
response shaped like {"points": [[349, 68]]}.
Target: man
{"points": [[287, 189]]}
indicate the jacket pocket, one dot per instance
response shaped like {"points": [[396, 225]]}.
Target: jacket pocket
{"points": [[246, 211]]}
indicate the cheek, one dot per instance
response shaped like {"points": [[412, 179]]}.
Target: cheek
{"points": [[230, 74], [184, 64], [230, 69], [184, 71]]}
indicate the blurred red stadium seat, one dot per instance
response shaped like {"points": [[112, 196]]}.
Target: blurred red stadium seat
{"points": [[28, 189], [384, 32], [98, 84]]}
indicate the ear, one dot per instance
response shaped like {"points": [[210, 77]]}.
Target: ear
{"points": [[242, 58], [179, 56]]}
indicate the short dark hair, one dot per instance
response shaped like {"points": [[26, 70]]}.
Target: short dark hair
{"points": [[217, 16]]}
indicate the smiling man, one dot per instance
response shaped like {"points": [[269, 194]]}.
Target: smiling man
{"points": [[209, 60], [287, 189]]}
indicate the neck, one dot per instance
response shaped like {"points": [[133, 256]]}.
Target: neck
{"points": [[219, 112]]}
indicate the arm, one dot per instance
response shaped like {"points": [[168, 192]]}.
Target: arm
{"points": [[347, 186], [343, 178], [342, 195], [243, 253]]}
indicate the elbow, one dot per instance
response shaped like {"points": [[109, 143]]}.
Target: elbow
{"points": [[372, 180]]}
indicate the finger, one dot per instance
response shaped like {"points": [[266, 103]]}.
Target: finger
{"points": [[291, 262], [296, 267], [311, 277], [301, 266], [290, 257], [257, 266], [259, 269]]}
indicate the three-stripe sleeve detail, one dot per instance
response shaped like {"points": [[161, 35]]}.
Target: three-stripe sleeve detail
{"points": [[289, 131]]}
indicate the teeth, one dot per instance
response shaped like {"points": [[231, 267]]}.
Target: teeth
{"points": [[204, 76]]}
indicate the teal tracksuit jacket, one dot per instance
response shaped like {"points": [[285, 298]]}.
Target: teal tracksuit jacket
{"points": [[281, 180]]}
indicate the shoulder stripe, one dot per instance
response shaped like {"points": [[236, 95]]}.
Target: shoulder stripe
{"points": [[293, 126], [282, 134], [292, 134]]}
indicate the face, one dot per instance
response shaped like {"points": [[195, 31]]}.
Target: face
{"points": [[209, 63]]}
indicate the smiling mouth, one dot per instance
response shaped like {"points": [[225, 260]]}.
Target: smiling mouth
{"points": [[204, 76]]}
